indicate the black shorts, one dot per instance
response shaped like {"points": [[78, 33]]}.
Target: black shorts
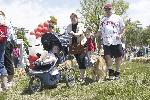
{"points": [[80, 60], [114, 51]]}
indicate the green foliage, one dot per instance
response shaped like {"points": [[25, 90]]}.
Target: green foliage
{"points": [[21, 35], [120, 6], [132, 33], [136, 35], [146, 35]]}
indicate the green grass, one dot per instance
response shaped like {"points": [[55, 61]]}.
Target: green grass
{"points": [[133, 85]]}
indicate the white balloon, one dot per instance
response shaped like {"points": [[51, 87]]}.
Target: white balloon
{"points": [[35, 45]]}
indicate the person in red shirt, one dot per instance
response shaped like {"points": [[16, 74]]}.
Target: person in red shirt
{"points": [[3, 71], [91, 46]]}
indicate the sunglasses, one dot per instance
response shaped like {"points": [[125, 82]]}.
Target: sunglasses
{"points": [[89, 29], [107, 9]]}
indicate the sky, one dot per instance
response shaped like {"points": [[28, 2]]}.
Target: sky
{"points": [[30, 13]]}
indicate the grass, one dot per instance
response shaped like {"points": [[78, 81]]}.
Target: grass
{"points": [[133, 85]]}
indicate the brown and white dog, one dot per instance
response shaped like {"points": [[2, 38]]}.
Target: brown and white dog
{"points": [[99, 69]]}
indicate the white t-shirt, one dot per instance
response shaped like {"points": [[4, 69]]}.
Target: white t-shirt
{"points": [[110, 27]]}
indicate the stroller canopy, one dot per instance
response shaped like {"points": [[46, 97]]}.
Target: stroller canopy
{"points": [[50, 39]]}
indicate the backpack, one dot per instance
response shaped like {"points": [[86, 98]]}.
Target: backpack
{"points": [[3, 33]]}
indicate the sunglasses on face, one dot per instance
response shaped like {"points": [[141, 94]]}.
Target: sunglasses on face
{"points": [[89, 29], [107, 9]]}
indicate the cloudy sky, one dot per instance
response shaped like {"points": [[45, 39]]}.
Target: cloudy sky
{"points": [[30, 13]]}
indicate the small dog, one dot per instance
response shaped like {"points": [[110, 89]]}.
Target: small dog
{"points": [[99, 69]]}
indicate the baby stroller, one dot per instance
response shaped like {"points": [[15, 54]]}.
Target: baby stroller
{"points": [[47, 74]]}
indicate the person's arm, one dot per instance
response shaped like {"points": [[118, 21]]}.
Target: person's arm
{"points": [[80, 30], [122, 27], [121, 34]]}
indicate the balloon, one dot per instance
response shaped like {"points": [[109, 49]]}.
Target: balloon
{"points": [[46, 24], [38, 34], [45, 29], [32, 33], [39, 29], [35, 30]]}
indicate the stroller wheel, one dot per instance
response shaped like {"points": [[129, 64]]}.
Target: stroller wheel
{"points": [[35, 84], [70, 77]]}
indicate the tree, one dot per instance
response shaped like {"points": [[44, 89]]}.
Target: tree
{"points": [[132, 33], [21, 35], [146, 36]]}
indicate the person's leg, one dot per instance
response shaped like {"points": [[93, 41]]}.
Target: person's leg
{"points": [[3, 72], [108, 60], [118, 62], [10, 78], [3, 78], [81, 66], [8, 62], [118, 59], [4, 82], [82, 73]]}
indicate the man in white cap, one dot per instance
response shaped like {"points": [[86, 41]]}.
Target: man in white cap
{"points": [[111, 30]]}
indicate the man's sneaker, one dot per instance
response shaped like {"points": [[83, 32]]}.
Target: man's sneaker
{"points": [[117, 75], [111, 74]]}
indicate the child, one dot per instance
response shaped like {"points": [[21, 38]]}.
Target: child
{"points": [[47, 58], [51, 55], [90, 42]]}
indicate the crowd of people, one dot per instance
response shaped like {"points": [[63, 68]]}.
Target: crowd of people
{"points": [[111, 30]]}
